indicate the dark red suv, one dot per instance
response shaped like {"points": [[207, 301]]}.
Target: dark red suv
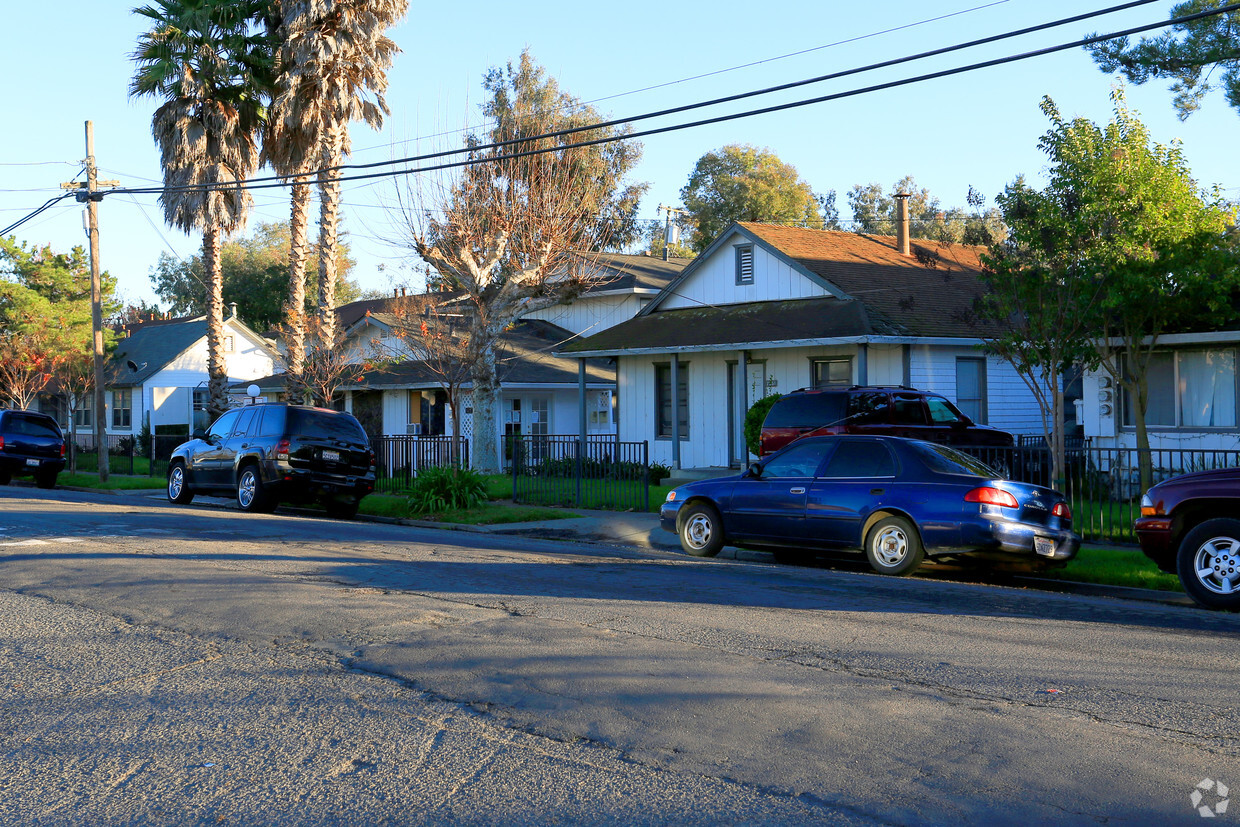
{"points": [[1190, 526], [876, 410]]}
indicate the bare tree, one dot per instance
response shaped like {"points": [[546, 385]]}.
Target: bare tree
{"points": [[505, 231], [438, 339], [328, 364]]}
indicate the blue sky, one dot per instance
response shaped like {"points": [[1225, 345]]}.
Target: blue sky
{"points": [[68, 62]]}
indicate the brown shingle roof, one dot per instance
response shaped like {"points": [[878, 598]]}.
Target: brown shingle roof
{"points": [[928, 293]]}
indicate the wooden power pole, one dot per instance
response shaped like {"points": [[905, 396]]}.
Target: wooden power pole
{"points": [[88, 193]]}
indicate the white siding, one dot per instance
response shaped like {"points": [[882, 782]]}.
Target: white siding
{"points": [[588, 314], [714, 282], [395, 412], [1010, 404]]}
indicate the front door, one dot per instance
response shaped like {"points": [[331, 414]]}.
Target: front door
{"points": [[739, 401]]}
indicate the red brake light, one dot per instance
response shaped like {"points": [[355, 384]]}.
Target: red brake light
{"points": [[62, 450], [1062, 510], [991, 496], [282, 449], [1, 443]]}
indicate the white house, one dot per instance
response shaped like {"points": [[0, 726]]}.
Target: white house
{"points": [[157, 374], [1193, 397], [540, 389], [768, 309]]}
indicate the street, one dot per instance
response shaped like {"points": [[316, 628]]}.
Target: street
{"points": [[186, 665]]}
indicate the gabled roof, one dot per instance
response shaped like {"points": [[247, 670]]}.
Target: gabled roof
{"points": [[874, 291], [526, 355], [154, 344]]}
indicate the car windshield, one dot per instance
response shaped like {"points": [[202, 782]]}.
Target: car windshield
{"points": [[943, 460], [323, 425]]}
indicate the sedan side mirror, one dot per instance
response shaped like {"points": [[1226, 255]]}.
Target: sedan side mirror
{"points": [[754, 470]]}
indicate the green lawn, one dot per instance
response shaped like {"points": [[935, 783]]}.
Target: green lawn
{"points": [[1115, 566], [116, 482]]}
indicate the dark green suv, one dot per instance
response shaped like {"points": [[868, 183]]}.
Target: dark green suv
{"points": [[268, 454]]}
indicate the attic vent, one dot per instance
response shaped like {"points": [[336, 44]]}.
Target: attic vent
{"points": [[744, 264]]}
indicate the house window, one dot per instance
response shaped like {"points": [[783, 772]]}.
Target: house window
{"points": [[599, 412], [122, 401], [971, 388], [832, 373], [200, 417], [744, 264], [228, 344], [1189, 389], [663, 399], [82, 412]]}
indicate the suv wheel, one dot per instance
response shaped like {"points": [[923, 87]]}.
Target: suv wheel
{"points": [[178, 490], [5, 476], [1208, 564], [251, 493], [45, 479], [341, 510]]}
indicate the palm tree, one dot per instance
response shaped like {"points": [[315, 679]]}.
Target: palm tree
{"points": [[337, 54], [209, 61]]}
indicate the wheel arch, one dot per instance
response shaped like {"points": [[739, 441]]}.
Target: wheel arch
{"points": [[1189, 514], [700, 500], [883, 513]]}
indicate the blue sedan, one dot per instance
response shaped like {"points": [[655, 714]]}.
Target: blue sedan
{"points": [[897, 500]]}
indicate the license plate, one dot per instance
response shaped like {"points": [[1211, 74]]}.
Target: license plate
{"points": [[331, 456], [33, 462], [1044, 546]]}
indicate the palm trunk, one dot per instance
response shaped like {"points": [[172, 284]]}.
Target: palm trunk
{"points": [[296, 308], [217, 371], [329, 218]]}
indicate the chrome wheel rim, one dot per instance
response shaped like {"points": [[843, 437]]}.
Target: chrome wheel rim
{"points": [[245, 489], [891, 546], [176, 482], [1217, 565], [698, 531]]}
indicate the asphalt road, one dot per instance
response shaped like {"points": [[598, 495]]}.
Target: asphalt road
{"points": [[165, 664]]}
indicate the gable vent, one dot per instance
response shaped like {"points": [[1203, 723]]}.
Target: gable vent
{"points": [[744, 264]]}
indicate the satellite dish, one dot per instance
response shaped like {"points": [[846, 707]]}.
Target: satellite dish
{"points": [[134, 366]]}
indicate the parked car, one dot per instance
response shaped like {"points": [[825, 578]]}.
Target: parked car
{"points": [[273, 453], [874, 411], [895, 500], [30, 444], [1190, 526]]}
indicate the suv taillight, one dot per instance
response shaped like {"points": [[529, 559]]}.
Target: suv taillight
{"points": [[991, 496], [1, 443], [62, 450], [372, 458], [1062, 510], [282, 449]]}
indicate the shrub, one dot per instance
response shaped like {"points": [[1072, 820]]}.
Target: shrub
{"points": [[753, 421], [444, 488]]}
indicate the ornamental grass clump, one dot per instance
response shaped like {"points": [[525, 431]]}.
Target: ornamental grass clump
{"points": [[446, 489]]}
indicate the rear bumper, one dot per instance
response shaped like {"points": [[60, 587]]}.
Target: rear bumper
{"points": [[293, 483], [10, 464], [1010, 537]]}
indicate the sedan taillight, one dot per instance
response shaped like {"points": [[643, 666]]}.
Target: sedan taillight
{"points": [[282, 449], [991, 496], [1062, 510], [1, 443]]}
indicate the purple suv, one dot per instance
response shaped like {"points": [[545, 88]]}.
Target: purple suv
{"points": [[1190, 526]]}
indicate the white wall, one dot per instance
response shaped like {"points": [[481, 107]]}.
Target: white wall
{"points": [[589, 314], [1010, 404]]}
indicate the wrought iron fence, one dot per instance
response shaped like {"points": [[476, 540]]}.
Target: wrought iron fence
{"points": [[399, 458], [1103, 485], [129, 454], [601, 472]]}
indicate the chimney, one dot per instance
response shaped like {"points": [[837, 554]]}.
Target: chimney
{"points": [[232, 310], [902, 231]]}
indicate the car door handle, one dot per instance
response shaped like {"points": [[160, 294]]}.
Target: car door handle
{"points": [[876, 490], [797, 490]]}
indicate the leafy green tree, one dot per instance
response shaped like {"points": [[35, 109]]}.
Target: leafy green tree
{"points": [[744, 183], [509, 232], [254, 274], [1122, 235], [210, 62], [1190, 56], [874, 214]]}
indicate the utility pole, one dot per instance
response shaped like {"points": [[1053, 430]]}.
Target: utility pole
{"points": [[88, 193], [667, 232]]}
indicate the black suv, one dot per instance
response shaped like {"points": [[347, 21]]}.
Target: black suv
{"points": [[877, 410], [267, 454], [30, 443]]}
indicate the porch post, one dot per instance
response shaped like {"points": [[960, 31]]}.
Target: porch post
{"points": [[742, 407], [676, 411], [863, 363], [581, 423]]}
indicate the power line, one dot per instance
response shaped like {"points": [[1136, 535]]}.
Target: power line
{"points": [[259, 183], [716, 72]]}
